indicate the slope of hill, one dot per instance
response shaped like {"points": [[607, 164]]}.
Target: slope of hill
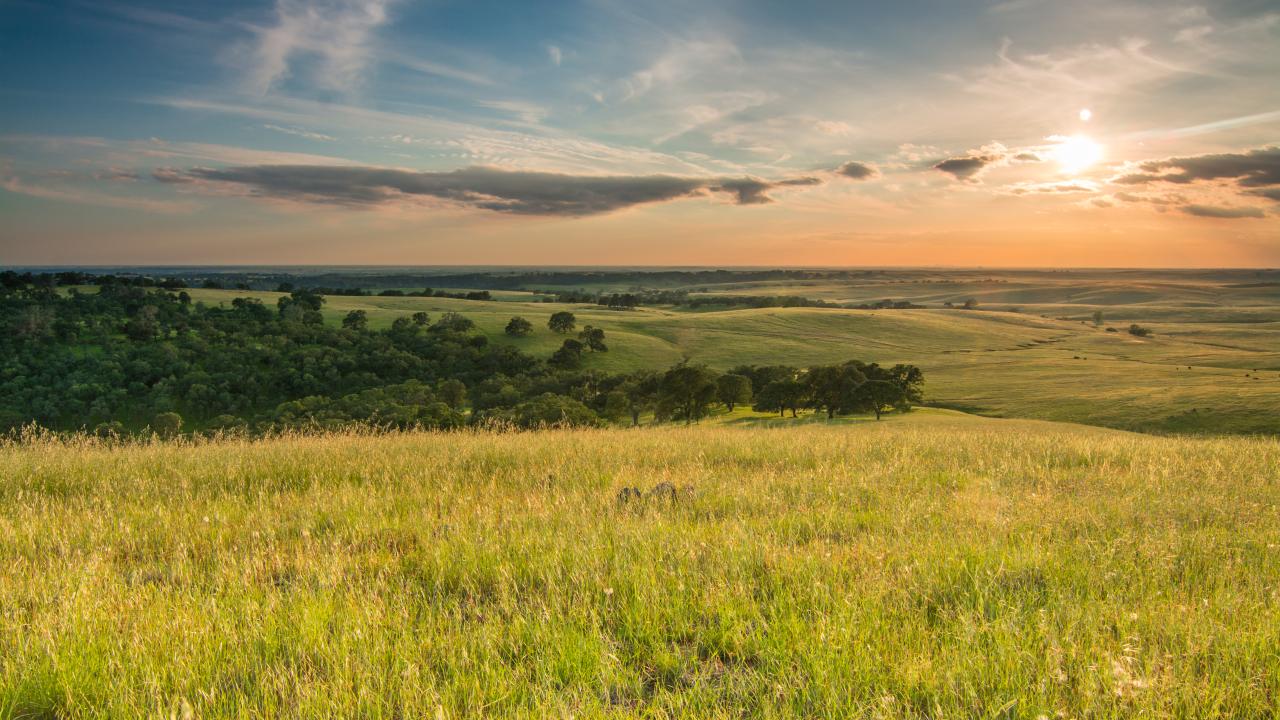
{"points": [[1189, 377], [934, 564]]}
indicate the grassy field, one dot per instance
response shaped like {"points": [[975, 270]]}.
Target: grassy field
{"points": [[931, 565], [1208, 368]]}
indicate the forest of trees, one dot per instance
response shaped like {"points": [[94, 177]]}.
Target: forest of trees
{"points": [[140, 357]]}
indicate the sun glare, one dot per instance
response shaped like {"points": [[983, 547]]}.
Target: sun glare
{"points": [[1076, 153]]}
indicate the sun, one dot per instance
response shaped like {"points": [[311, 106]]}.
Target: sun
{"points": [[1076, 153]]}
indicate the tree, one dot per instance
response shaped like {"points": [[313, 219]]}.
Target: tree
{"points": [[832, 388], [421, 319], [616, 406], [452, 393], [403, 329], [641, 390], [780, 395], [302, 299], [144, 325], [562, 322], [687, 391], [1138, 331], [301, 306], [453, 322], [910, 379], [970, 304], [733, 389], [878, 396], [518, 327], [357, 320], [167, 424], [568, 357], [1097, 317], [593, 338], [35, 322], [551, 410]]}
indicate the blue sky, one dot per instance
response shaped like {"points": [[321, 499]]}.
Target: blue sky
{"points": [[714, 132]]}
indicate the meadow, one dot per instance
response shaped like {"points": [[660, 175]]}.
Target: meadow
{"points": [[931, 565], [1031, 348]]}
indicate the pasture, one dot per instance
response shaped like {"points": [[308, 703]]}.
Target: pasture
{"points": [[1031, 348], [931, 565]]}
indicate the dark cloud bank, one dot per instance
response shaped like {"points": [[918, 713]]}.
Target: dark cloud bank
{"points": [[1255, 173], [1254, 169], [514, 192]]}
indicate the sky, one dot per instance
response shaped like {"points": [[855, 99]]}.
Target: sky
{"points": [[1116, 133]]}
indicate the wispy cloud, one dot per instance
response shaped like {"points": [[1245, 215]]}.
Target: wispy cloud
{"points": [[547, 149], [90, 197], [300, 133], [336, 33], [527, 112], [1205, 128]]}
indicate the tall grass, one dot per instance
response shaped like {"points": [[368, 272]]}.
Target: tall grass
{"points": [[930, 566]]}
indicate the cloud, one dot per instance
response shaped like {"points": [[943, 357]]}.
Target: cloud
{"points": [[300, 133], [526, 112], [89, 197], [1028, 157], [1253, 173], [512, 192], [1211, 211], [1173, 199], [171, 176], [117, 174], [474, 144], [967, 167], [336, 32], [800, 181], [857, 171], [1253, 169], [555, 54], [1069, 186], [833, 127]]}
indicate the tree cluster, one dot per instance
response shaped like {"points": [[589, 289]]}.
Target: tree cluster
{"points": [[140, 358]]}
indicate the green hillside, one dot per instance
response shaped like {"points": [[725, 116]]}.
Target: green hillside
{"points": [[1188, 377]]}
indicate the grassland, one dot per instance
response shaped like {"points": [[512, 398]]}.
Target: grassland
{"points": [[1212, 366], [932, 565]]}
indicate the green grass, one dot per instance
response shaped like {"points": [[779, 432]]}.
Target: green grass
{"points": [[1188, 377], [931, 565]]}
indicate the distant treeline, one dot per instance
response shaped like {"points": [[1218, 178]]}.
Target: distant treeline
{"points": [[134, 358], [681, 298], [677, 298], [485, 280], [361, 292]]}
